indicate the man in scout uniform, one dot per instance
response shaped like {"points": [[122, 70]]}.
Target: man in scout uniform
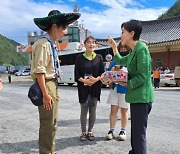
{"points": [[45, 69]]}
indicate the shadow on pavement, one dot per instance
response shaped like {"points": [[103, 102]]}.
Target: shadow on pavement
{"points": [[64, 143], [69, 123], [28, 147], [25, 147]]}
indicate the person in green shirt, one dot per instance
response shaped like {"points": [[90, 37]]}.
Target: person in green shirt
{"points": [[140, 91]]}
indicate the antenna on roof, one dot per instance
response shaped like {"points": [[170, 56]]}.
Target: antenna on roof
{"points": [[76, 7]]}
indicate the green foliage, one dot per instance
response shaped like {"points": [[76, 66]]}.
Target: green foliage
{"points": [[173, 11], [8, 54]]}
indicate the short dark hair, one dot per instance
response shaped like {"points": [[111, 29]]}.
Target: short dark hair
{"points": [[88, 38], [58, 24], [133, 25]]}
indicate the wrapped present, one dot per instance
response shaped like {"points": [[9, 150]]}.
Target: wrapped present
{"points": [[114, 76]]}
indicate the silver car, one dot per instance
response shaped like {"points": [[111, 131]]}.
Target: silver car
{"points": [[25, 73], [167, 79]]}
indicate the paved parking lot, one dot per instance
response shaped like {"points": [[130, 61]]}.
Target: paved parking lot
{"points": [[19, 123]]}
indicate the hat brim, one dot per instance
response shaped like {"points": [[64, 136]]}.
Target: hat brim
{"points": [[65, 18]]}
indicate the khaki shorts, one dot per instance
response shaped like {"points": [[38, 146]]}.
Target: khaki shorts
{"points": [[117, 99]]}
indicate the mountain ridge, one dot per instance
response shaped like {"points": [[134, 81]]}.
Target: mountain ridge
{"points": [[8, 53]]}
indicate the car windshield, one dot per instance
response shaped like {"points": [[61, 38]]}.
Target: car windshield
{"points": [[171, 72], [20, 71]]}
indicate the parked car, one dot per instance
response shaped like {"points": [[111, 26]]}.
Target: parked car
{"points": [[167, 79], [25, 73], [22, 73], [3, 69], [19, 73], [177, 75]]}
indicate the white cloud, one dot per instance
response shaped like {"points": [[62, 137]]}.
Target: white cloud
{"points": [[17, 16], [108, 22]]}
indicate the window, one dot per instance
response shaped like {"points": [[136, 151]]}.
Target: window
{"points": [[68, 59], [158, 62], [73, 34]]}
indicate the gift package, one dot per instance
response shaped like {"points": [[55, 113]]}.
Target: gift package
{"points": [[114, 76]]}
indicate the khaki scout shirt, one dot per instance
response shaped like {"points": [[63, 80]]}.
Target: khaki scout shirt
{"points": [[42, 59]]}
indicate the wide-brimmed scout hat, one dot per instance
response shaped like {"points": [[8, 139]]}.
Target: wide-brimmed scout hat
{"points": [[54, 17]]}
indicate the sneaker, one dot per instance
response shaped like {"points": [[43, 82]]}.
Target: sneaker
{"points": [[122, 136], [83, 137], [110, 135], [90, 136]]}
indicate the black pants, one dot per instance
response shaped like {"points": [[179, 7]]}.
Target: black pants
{"points": [[139, 118], [156, 82]]}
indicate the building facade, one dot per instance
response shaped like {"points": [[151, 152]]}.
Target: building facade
{"points": [[162, 36], [163, 39]]}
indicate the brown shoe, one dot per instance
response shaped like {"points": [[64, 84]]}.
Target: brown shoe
{"points": [[90, 136]]}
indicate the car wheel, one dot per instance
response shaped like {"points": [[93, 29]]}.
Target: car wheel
{"points": [[167, 85], [70, 84], [177, 84]]}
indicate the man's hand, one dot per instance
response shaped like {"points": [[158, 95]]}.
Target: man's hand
{"points": [[47, 101]]}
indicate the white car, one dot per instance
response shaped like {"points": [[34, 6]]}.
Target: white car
{"points": [[22, 72], [19, 73], [25, 73], [167, 79]]}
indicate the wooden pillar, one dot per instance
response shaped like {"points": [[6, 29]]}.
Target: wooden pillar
{"points": [[168, 57]]}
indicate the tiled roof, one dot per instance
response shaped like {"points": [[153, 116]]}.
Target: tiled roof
{"points": [[159, 31], [104, 42], [156, 31]]}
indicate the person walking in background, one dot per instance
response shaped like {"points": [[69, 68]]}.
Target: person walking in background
{"points": [[140, 92], [156, 77], [45, 70], [1, 86], [9, 76], [88, 70]]}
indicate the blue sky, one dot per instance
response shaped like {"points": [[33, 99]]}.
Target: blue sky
{"points": [[102, 17]]}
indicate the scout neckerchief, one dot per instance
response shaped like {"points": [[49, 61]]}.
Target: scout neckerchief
{"points": [[55, 58]]}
